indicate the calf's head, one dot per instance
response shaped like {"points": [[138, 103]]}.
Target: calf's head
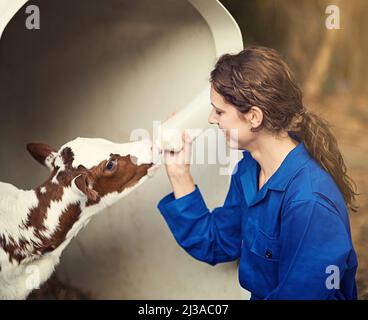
{"points": [[86, 176], [96, 169]]}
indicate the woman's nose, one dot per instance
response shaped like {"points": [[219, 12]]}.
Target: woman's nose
{"points": [[212, 119]]}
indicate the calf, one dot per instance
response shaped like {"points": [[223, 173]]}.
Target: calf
{"points": [[36, 225]]}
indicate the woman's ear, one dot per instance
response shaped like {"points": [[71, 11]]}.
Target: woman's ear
{"points": [[255, 116]]}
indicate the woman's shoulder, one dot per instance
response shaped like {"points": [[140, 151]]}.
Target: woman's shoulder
{"points": [[313, 184]]}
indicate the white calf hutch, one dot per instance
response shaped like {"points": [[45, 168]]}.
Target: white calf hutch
{"points": [[104, 69]]}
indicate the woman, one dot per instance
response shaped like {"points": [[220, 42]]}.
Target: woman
{"points": [[286, 212]]}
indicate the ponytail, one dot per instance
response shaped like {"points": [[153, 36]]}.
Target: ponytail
{"points": [[322, 145]]}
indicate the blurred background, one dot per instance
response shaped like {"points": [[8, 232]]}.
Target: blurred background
{"points": [[332, 70], [96, 61]]}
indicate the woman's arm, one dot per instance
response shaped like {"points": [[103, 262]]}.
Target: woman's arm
{"points": [[211, 237]]}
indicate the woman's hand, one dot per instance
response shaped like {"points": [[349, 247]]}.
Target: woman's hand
{"points": [[177, 164]]}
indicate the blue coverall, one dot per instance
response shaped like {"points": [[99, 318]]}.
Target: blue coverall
{"points": [[292, 236]]}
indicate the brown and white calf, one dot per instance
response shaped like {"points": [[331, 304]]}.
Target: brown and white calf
{"points": [[87, 175]]}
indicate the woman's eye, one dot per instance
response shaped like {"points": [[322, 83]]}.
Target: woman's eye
{"points": [[219, 113], [110, 165]]}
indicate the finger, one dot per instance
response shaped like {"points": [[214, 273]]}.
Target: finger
{"points": [[169, 156], [187, 138], [187, 149]]}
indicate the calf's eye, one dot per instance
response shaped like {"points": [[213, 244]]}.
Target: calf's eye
{"points": [[110, 166]]}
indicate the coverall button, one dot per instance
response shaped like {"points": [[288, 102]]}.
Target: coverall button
{"points": [[268, 254]]}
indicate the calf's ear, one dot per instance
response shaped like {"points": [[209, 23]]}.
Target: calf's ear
{"points": [[43, 153], [84, 184]]}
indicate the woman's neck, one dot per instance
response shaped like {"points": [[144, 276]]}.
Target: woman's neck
{"points": [[270, 151]]}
